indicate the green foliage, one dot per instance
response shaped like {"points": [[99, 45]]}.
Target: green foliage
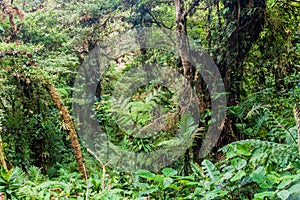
{"points": [[270, 154], [268, 118], [52, 47], [30, 125], [11, 181]]}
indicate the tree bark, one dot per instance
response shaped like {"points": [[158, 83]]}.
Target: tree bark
{"points": [[9, 10], [70, 128], [245, 29], [183, 46], [243, 23], [2, 154]]}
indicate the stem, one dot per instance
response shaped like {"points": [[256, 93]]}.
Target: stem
{"points": [[296, 114]]}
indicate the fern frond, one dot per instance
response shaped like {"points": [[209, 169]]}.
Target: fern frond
{"points": [[47, 184], [34, 173], [18, 174], [186, 129], [187, 125], [255, 110], [259, 121], [264, 153]]}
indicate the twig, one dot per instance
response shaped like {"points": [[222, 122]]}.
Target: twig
{"points": [[86, 182], [103, 167]]}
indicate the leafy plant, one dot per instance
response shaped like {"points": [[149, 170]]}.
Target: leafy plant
{"points": [[11, 181]]}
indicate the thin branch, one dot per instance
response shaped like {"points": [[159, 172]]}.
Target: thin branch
{"points": [[191, 8], [102, 165], [160, 24]]}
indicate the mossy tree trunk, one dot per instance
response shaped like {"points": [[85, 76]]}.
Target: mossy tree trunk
{"points": [[246, 20], [2, 154], [70, 128], [9, 10], [182, 42]]}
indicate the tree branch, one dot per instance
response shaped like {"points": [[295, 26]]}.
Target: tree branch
{"points": [[160, 24], [191, 8]]}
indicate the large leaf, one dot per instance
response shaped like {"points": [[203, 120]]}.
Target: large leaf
{"points": [[169, 172], [259, 176], [262, 195], [167, 181], [238, 176], [238, 163], [215, 193], [187, 125], [145, 174], [283, 195], [148, 191], [210, 170]]}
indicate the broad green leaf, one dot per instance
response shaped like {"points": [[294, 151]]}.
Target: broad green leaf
{"points": [[234, 150], [284, 183], [283, 195], [238, 163], [262, 195], [227, 175], [167, 181], [294, 189], [187, 182], [145, 174], [210, 170], [2, 180], [158, 178], [259, 176], [142, 185], [238, 176], [2, 187], [169, 172], [215, 193], [197, 170], [148, 191]]}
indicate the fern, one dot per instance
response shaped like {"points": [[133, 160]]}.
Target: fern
{"points": [[269, 154], [34, 174], [255, 110], [259, 122], [186, 130], [187, 126], [47, 184]]}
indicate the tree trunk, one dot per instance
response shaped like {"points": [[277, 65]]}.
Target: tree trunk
{"points": [[10, 10], [70, 128], [2, 154], [183, 46], [234, 47], [245, 30], [297, 119]]}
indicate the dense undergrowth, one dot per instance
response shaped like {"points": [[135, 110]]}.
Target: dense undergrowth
{"points": [[263, 164]]}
